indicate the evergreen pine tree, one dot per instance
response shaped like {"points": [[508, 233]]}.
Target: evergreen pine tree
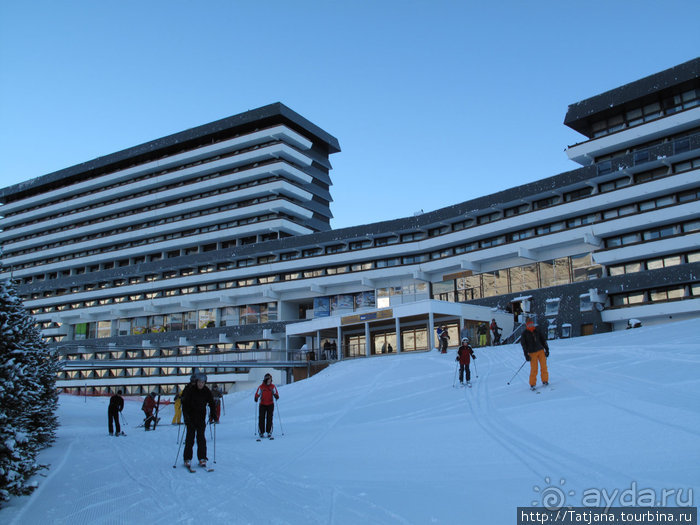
{"points": [[28, 398]]}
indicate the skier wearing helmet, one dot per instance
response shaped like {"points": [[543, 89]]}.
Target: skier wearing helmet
{"points": [[463, 354], [195, 398]]}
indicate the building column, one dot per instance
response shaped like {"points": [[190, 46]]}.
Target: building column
{"points": [[431, 329], [368, 342], [397, 328], [339, 343]]}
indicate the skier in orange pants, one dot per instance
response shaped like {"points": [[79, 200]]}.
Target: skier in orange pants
{"points": [[536, 351]]}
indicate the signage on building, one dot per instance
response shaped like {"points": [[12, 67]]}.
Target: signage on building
{"points": [[369, 316]]}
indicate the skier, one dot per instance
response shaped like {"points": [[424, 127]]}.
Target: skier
{"points": [[116, 405], [266, 392], [149, 405], [481, 332], [178, 407], [195, 398], [496, 331], [536, 351], [463, 354], [443, 337], [218, 396]]}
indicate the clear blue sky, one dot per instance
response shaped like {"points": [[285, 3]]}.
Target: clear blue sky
{"points": [[433, 102]]}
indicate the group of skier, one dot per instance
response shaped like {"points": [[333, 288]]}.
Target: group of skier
{"points": [[192, 404], [532, 341]]}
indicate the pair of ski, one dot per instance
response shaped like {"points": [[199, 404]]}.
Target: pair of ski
{"points": [[538, 390], [260, 438], [465, 385], [193, 470], [120, 434]]}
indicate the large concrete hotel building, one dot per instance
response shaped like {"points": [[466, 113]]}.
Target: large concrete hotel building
{"points": [[213, 248]]}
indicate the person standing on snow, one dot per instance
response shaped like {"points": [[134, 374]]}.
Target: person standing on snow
{"points": [[536, 351], [116, 405], [195, 398], [463, 355], [482, 333], [218, 395], [177, 416], [443, 337], [267, 393], [149, 405], [496, 331]]}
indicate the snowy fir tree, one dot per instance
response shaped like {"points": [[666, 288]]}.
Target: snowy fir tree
{"points": [[28, 397]]}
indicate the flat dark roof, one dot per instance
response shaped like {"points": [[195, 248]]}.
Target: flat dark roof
{"points": [[249, 120], [581, 114]]}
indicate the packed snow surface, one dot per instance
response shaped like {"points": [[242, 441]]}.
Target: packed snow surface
{"points": [[390, 440]]}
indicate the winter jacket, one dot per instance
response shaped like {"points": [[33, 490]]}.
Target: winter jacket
{"points": [[116, 403], [194, 404], [265, 393], [463, 354], [533, 341], [148, 405]]}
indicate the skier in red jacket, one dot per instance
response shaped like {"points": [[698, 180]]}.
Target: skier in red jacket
{"points": [[267, 393], [463, 354]]}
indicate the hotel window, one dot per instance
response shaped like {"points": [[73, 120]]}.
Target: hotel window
{"points": [[413, 259], [622, 269], [552, 306], [584, 269], [689, 196], [104, 329], [663, 262], [691, 226], [545, 203], [361, 266], [438, 231], [335, 248], [494, 241], [585, 303], [311, 252], [415, 236], [656, 203], [659, 233], [515, 210], [613, 184], [667, 294], [578, 194], [489, 217], [358, 245]]}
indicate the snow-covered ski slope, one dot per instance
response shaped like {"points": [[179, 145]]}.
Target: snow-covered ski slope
{"points": [[389, 440]]}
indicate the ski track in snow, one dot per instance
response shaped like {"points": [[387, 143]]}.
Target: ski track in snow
{"points": [[388, 440]]}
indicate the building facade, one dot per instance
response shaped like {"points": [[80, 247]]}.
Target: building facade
{"points": [[212, 247]]}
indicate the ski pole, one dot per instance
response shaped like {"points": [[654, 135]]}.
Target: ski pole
{"points": [[279, 417], [454, 379], [123, 420], [178, 450], [519, 369], [475, 372], [255, 425], [214, 443], [178, 433]]}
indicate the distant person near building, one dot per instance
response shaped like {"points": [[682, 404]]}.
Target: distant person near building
{"points": [[148, 407], [116, 405]]}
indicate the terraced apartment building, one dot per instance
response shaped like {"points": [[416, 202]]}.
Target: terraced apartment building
{"points": [[213, 248]]}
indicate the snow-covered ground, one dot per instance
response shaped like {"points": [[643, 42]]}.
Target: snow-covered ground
{"points": [[389, 440]]}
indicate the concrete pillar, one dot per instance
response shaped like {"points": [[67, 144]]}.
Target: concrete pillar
{"points": [[431, 330], [339, 342], [397, 326], [368, 342]]}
